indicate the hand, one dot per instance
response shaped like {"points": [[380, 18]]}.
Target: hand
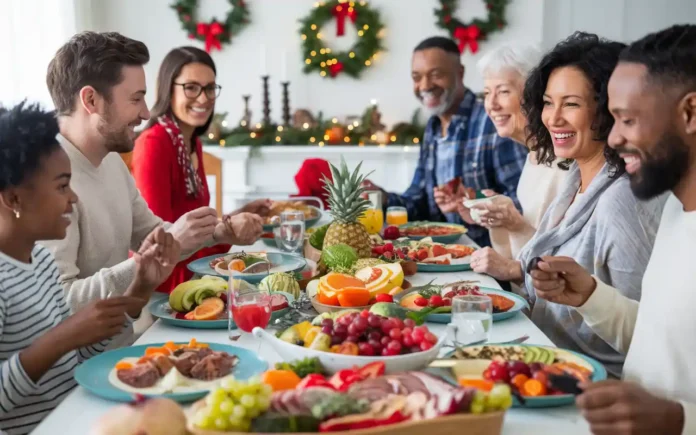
{"points": [[447, 202], [242, 229], [623, 408], [465, 213], [488, 261], [369, 185], [500, 212], [562, 281], [154, 263], [96, 321], [195, 228], [261, 207]]}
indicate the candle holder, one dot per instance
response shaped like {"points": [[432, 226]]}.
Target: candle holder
{"points": [[286, 103], [266, 102], [246, 118]]}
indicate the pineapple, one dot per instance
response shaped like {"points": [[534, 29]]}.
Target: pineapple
{"points": [[347, 206]]}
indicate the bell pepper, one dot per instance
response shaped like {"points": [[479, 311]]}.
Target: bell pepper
{"points": [[343, 379], [372, 370], [314, 380]]}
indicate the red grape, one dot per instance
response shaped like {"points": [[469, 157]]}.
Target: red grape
{"points": [[425, 345], [385, 352], [409, 323], [415, 349], [420, 301], [336, 339], [327, 322], [499, 373], [407, 340], [360, 323], [374, 335], [518, 367], [345, 320], [398, 323], [352, 338], [353, 330], [365, 349], [385, 340], [364, 314], [447, 302], [536, 367], [395, 334], [376, 345], [500, 364], [435, 301], [406, 331], [430, 337], [327, 329], [387, 326], [374, 321], [394, 346], [340, 329], [417, 335]]}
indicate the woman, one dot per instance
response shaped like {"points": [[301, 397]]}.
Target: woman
{"points": [[504, 71], [595, 218], [168, 156]]}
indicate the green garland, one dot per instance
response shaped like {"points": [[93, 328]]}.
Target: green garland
{"points": [[215, 33], [319, 57], [469, 34]]}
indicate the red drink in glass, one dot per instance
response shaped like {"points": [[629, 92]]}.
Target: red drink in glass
{"points": [[251, 310]]}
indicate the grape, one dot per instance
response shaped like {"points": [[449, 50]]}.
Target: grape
{"points": [[394, 346], [266, 390], [386, 352], [361, 324], [499, 397], [374, 321], [536, 367], [417, 335], [425, 345], [226, 406], [366, 349], [374, 335], [352, 339], [263, 402], [478, 403], [327, 329], [415, 349], [353, 330], [247, 401], [518, 367], [406, 331], [364, 314], [385, 340], [202, 419], [327, 322], [221, 423], [430, 337], [395, 334], [407, 340], [340, 329], [345, 320], [376, 345], [229, 384], [239, 412], [398, 323], [387, 326], [336, 339], [409, 323]]}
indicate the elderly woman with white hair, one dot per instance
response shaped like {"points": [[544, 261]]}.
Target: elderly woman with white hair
{"points": [[504, 71]]}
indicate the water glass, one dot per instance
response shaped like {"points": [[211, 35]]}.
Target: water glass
{"points": [[291, 231], [473, 317]]}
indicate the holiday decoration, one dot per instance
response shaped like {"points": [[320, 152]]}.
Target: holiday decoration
{"points": [[468, 35], [319, 57], [246, 118], [214, 33]]}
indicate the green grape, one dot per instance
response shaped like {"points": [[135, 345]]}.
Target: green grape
{"points": [[266, 390], [226, 406], [498, 397], [247, 401], [239, 412], [478, 402], [254, 380], [221, 423], [507, 404], [477, 408], [202, 419], [263, 402], [229, 384], [216, 397]]}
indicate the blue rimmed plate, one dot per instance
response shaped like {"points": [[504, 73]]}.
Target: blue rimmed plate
{"points": [[280, 262], [457, 231], [93, 374]]}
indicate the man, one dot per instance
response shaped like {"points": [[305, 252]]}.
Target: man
{"points": [[97, 83], [652, 95], [460, 141]]}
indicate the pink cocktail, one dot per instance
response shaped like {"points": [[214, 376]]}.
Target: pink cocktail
{"points": [[250, 310]]}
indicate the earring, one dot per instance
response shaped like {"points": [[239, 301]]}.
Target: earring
{"points": [[16, 212]]}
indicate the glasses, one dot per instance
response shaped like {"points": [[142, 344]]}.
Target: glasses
{"points": [[290, 236], [193, 90]]}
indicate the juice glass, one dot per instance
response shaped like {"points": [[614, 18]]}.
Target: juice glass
{"points": [[250, 310], [373, 218], [397, 216]]}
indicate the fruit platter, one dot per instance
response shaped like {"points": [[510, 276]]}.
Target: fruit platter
{"points": [[202, 303], [435, 301], [539, 376], [180, 371], [312, 214], [437, 231], [291, 398], [248, 266], [428, 255]]}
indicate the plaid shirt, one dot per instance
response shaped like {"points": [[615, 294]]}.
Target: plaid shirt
{"points": [[471, 150]]}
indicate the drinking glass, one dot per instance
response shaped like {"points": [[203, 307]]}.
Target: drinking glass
{"points": [[397, 216], [473, 317], [292, 229], [373, 218], [236, 289], [251, 309]]}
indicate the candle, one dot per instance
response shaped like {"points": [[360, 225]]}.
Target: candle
{"points": [[284, 67], [264, 71]]}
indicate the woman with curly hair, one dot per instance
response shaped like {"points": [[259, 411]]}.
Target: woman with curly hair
{"points": [[595, 218]]}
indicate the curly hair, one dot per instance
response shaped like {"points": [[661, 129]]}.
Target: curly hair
{"points": [[27, 135], [596, 58]]}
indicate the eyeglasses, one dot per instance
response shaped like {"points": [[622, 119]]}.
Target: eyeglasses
{"points": [[193, 90]]}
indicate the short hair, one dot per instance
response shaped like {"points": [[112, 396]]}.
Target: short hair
{"points": [[91, 59], [445, 44], [596, 57], [27, 134], [519, 58], [668, 55]]}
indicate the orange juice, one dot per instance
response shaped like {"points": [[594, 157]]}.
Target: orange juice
{"points": [[397, 216], [373, 220]]}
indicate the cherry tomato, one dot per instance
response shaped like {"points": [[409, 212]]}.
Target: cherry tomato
{"points": [[384, 297], [420, 301], [435, 301]]}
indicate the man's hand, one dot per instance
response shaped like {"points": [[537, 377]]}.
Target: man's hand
{"points": [[488, 261], [447, 202], [242, 229], [261, 207], [562, 280], [623, 408], [154, 262], [194, 229], [369, 185]]}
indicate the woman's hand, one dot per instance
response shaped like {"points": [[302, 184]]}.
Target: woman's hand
{"points": [[500, 212], [487, 261], [447, 202]]}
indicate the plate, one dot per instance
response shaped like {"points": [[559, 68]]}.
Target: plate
{"points": [[520, 304], [308, 222], [443, 268], [93, 374], [283, 262], [446, 239], [162, 311]]}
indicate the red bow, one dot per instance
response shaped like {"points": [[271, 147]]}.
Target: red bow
{"points": [[341, 11], [211, 33], [335, 69], [467, 36]]}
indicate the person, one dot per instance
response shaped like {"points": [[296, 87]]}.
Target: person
{"points": [[97, 83], [594, 218], [504, 72], [652, 96], [167, 162], [310, 180], [460, 141], [41, 343]]}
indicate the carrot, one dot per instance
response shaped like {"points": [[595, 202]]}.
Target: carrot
{"points": [[281, 380], [152, 351], [171, 346], [533, 388], [479, 384], [122, 365], [519, 381]]}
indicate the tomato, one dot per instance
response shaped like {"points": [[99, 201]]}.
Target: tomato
{"points": [[384, 297], [435, 301], [420, 301]]}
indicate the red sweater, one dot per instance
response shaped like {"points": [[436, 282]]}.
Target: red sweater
{"points": [[161, 182]]}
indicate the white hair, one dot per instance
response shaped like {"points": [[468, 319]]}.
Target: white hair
{"points": [[519, 58]]}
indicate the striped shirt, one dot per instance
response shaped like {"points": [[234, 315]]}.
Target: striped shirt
{"points": [[31, 303]]}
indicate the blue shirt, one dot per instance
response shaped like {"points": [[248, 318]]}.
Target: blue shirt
{"points": [[471, 150]]}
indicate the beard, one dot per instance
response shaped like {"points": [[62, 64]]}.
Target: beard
{"points": [[446, 99], [661, 173], [116, 138]]}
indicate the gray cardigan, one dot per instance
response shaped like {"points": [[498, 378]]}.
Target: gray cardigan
{"points": [[607, 231]]}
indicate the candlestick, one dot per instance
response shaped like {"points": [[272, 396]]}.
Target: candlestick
{"points": [[286, 103], [246, 118], [266, 102]]}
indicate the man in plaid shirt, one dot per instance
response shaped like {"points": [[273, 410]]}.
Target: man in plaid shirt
{"points": [[460, 141]]}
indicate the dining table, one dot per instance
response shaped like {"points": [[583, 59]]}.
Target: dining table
{"points": [[80, 409]]}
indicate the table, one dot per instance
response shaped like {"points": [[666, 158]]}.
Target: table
{"points": [[80, 409]]}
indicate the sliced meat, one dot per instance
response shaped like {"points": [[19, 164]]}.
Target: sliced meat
{"points": [[202, 352], [163, 364], [214, 366], [140, 376], [185, 362], [371, 389]]}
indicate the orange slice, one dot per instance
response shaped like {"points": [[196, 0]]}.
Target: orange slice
{"points": [[236, 265], [354, 297], [207, 312], [215, 302], [337, 281]]}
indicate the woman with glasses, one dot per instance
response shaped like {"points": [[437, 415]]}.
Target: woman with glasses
{"points": [[168, 156]]}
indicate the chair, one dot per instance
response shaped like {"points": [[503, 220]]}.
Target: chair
{"points": [[213, 167]]}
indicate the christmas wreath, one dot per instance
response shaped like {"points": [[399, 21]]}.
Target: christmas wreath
{"points": [[319, 57], [469, 34], [214, 33]]}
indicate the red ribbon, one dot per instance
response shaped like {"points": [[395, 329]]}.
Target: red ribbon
{"points": [[335, 69], [467, 36], [211, 33], [341, 11]]}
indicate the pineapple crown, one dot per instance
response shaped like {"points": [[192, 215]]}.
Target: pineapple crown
{"points": [[345, 199]]}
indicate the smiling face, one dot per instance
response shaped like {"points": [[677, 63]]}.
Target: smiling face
{"points": [[194, 112], [568, 114], [502, 99], [644, 134], [437, 78]]}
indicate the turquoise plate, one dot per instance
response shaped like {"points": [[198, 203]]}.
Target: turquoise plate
{"points": [[520, 304], [446, 239], [163, 311], [93, 374], [443, 268], [599, 373], [309, 223], [281, 261]]}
